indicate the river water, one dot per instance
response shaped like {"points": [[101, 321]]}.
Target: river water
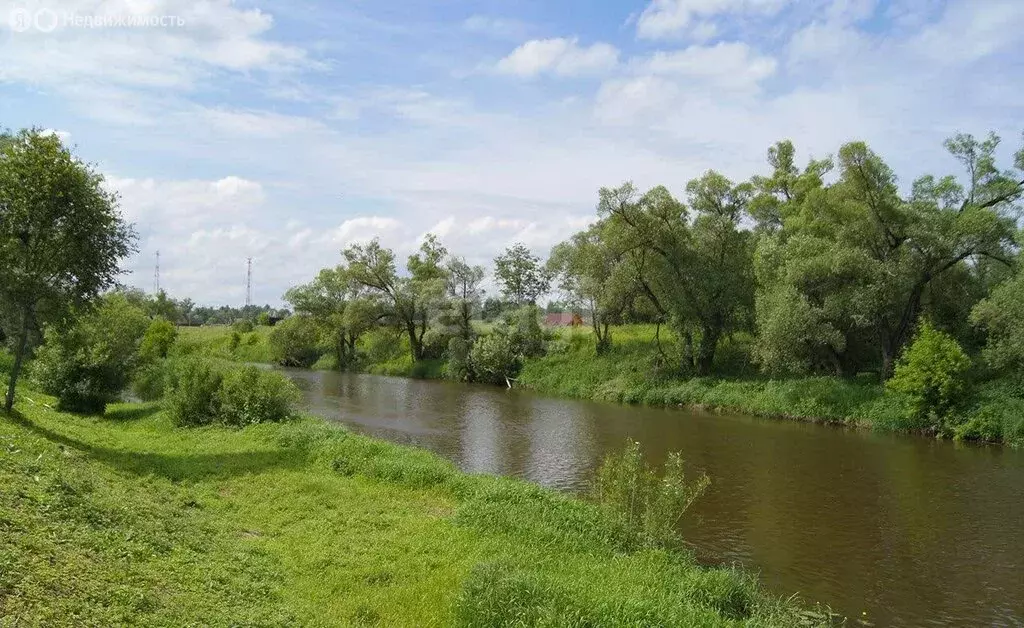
{"points": [[887, 530]]}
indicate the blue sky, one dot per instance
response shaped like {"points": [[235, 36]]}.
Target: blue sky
{"points": [[285, 130]]}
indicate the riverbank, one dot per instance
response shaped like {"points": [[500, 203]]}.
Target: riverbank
{"points": [[125, 519], [993, 412]]}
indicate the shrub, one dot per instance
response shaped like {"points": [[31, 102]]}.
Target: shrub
{"points": [[193, 397], [263, 319], [457, 367], [632, 494], [995, 420], [88, 362], [151, 381], [249, 395], [493, 358], [242, 326], [157, 341], [295, 342], [235, 340], [930, 372]]}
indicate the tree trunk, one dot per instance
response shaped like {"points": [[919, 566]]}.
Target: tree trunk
{"points": [[19, 357], [706, 352], [414, 341], [688, 362]]}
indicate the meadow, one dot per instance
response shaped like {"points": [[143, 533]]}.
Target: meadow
{"points": [[125, 519]]}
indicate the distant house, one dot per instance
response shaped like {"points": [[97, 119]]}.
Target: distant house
{"points": [[563, 319]]}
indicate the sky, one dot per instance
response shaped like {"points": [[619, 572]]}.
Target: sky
{"points": [[285, 130]]}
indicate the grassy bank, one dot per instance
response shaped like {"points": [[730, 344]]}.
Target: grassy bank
{"points": [[627, 374], [222, 342], [992, 411], [124, 519]]}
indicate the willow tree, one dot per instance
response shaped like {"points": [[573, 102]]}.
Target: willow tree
{"points": [[409, 301], [847, 266], [62, 238], [696, 268], [594, 275]]}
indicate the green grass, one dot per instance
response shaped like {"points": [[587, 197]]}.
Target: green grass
{"points": [[124, 519], [215, 341], [629, 373]]}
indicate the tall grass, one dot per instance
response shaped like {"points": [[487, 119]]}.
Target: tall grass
{"points": [[128, 520]]}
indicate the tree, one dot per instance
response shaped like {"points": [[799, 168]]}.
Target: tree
{"points": [[162, 306], [61, 237], [521, 275], [1001, 315], [464, 293], [697, 272], [593, 277], [408, 301], [87, 362], [855, 261]]}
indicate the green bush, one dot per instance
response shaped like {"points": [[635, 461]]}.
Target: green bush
{"points": [[493, 358], [158, 339], [193, 398], [931, 372], [235, 340], [151, 382], [88, 362], [263, 319], [243, 326], [295, 342], [995, 420], [457, 367], [631, 493], [250, 395]]}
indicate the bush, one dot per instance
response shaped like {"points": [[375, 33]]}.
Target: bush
{"points": [[263, 319], [235, 340], [250, 395], [295, 342], [633, 495], [242, 326], [193, 397], [930, 372], [151, 382], [493, 358], [995, 420], [158, 339], [87, 363], [457, 368]]}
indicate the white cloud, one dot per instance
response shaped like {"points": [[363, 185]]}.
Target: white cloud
{"points": [[560, 56], [671, 18], [214, 36], [728, 65]]}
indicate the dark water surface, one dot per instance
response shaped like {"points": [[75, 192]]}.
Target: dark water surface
{"points": [[910, 531]]}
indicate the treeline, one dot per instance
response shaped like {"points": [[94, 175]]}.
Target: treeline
{"points": [[824, 268]]}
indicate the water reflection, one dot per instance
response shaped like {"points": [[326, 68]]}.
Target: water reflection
{"points": [[910, 530]]}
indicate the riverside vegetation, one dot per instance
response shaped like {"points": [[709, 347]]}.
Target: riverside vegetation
{"points": [[821, 293], [168, 513], [214, 504]]}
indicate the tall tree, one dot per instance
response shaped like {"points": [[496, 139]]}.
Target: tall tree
{"points": [[851, 265], [62, 237], [593, 276], [465, 293], [696, 270], [521, 275], [409, 300]]}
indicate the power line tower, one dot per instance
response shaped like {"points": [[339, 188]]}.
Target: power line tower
{"points": [[248, 283], [156, 275]]}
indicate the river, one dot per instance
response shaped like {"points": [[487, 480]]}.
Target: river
{"points": [[887, 530]]}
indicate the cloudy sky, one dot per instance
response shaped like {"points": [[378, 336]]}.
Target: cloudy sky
{"points": [[285, 129]]}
